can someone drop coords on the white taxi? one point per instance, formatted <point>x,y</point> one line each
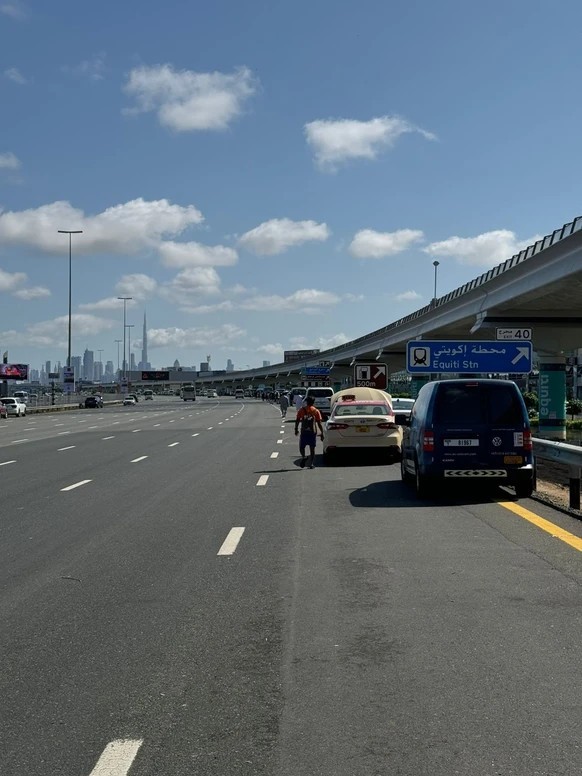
<point>362,425</point>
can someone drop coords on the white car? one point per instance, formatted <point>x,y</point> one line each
<point>14,406</point>
<point>402,409</point>
<point>362,425</point>
<point>212,395</point>
<point>129,400</point>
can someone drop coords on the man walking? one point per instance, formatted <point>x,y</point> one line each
<point>284,404</point>
<point>308,417</point>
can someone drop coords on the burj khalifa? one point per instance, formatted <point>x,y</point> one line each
<point>144,363</point>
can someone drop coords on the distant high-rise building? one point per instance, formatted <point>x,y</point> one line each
<point>47,368</point>
<point>266,363</point>
<point>76,364</point>
<point>204,366</point>
<point>98,371</point>
<point>109,370</point>
<point>176,364</point>
<point>132,364</point>
<point>88,363</point>
<point>229,365</point>
<point>144,363</point>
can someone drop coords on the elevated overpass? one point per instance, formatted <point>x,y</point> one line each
<point>540,287</point>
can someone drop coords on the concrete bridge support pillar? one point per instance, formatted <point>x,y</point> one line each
<point>552,397</point>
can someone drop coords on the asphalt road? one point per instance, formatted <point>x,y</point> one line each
<point>179,598</point>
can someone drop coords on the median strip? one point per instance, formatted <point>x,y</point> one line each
<point>76,485</point>
<point>231,542</point>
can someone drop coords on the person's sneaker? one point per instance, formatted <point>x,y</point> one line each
<point>312,466</point>
<point>302,463</point>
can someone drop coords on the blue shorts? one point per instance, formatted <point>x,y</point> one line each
<point>307,439</point>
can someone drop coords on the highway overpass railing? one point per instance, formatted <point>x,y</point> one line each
<point>563,453</point>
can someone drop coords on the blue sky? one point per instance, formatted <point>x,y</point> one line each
<point>264,175</point>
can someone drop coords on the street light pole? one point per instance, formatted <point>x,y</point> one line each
<point>69,232</point>
<point>129,327</point>
<point>125,301</point>
<point>435,265</point>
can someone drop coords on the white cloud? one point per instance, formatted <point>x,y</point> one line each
<point>13,74</point>
<point>35,292</point>
<point>8,161</point>
<point>406,296</point>
<point>127,228</point>
<point>92,68</point>
<point>306,300</point>
<point>15,9</point>
<point>186,101</point>
<point>10,280</point>
<point>53,333</point>
<point>368,244</point>
<point>194,337</point>
<point>323,343</point>
<point>109,303</point>
<point>138,286</point>
<point>274,349</point>
<point>193,254</point>
<point>353,297</point>
<point>191,283</point>
<point>484,250</point>
<point>204,309</point>
<point>278,234</point>
<point>336,140</point>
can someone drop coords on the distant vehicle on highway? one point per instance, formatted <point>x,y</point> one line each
<point>14,406</point>
<point>239,393</point>
<point>148,395</point>
<point>135,396</point>
<point>22,395</point>
<point>129,400</point>
<point>463,430</point>
<point>212,395</point>
<point>188,392</point>
<point>93,401</point>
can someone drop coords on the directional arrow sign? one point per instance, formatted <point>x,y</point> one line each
<point>371,375</point>
<point>463,356</point>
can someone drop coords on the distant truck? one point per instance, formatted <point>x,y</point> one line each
<point>188,392</point>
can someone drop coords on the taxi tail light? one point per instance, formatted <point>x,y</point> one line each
<point>428,441</point>
<point>387,425</point>
<point>527,441</point>
<point>336,426</point>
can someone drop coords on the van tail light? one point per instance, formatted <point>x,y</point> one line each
<point>387,425</point>
<point>336,426</point>
<point>428,441</point>
<point>527,441</point>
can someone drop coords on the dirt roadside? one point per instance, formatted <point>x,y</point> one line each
<point>553,483</point>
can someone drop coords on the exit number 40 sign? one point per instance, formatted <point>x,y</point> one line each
<point>525,333</point>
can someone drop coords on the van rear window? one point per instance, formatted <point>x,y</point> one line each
<point>462,406</point>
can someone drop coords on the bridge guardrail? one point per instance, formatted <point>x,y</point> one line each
<point>570,455</point>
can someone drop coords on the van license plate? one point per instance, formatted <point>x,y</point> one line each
<point>461,443</point>
<point>512,459</point>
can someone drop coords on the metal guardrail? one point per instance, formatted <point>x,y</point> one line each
<point>570,455</point>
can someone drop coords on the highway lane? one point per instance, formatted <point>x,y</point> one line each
<point>352,629</point>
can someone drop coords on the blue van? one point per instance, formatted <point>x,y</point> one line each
<point>468,429</point>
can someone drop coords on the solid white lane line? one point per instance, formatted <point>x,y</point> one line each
<point>18,441</point>
<point>263,479</point>
<point>274,455</point>
<point>76,485</point>
<point>70,447</point>
<point>5,463</point>
<point>104,438</point>
<point>135,430</point>
<point>174,444</point>
<point>137,460</point>
<point>231,542</point>
<point>196,434</point>
<point>279,441</point>
<point>117,758</point>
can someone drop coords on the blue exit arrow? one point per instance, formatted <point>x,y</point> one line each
<point>462,356</point>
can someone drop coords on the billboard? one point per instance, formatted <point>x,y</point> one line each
<point>157,376</point>
<point>13,371</point>
<point>289,356</point>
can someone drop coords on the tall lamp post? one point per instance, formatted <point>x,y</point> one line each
<point>125,300</point>
<point>129,327</point>
<point>69,232</point>
<point>118,344</point>
<point>435,264</point>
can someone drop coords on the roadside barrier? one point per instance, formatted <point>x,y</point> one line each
<point>563,453</point>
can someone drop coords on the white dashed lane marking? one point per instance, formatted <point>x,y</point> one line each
<point>209,428</point>
<point>231,542</point>
<point>104,438</point>
<point>117,758</point>
<point>197,434</point>
<point>135,430</point>
<point>18,441</point>
<point>263,479</point>
<point>274,455</point>
<point>61,449</point>
<point>173,444</point>
<point>5,463</point>
<point>137,460</point>
<point>76,485</point>
<point>279,441</point>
